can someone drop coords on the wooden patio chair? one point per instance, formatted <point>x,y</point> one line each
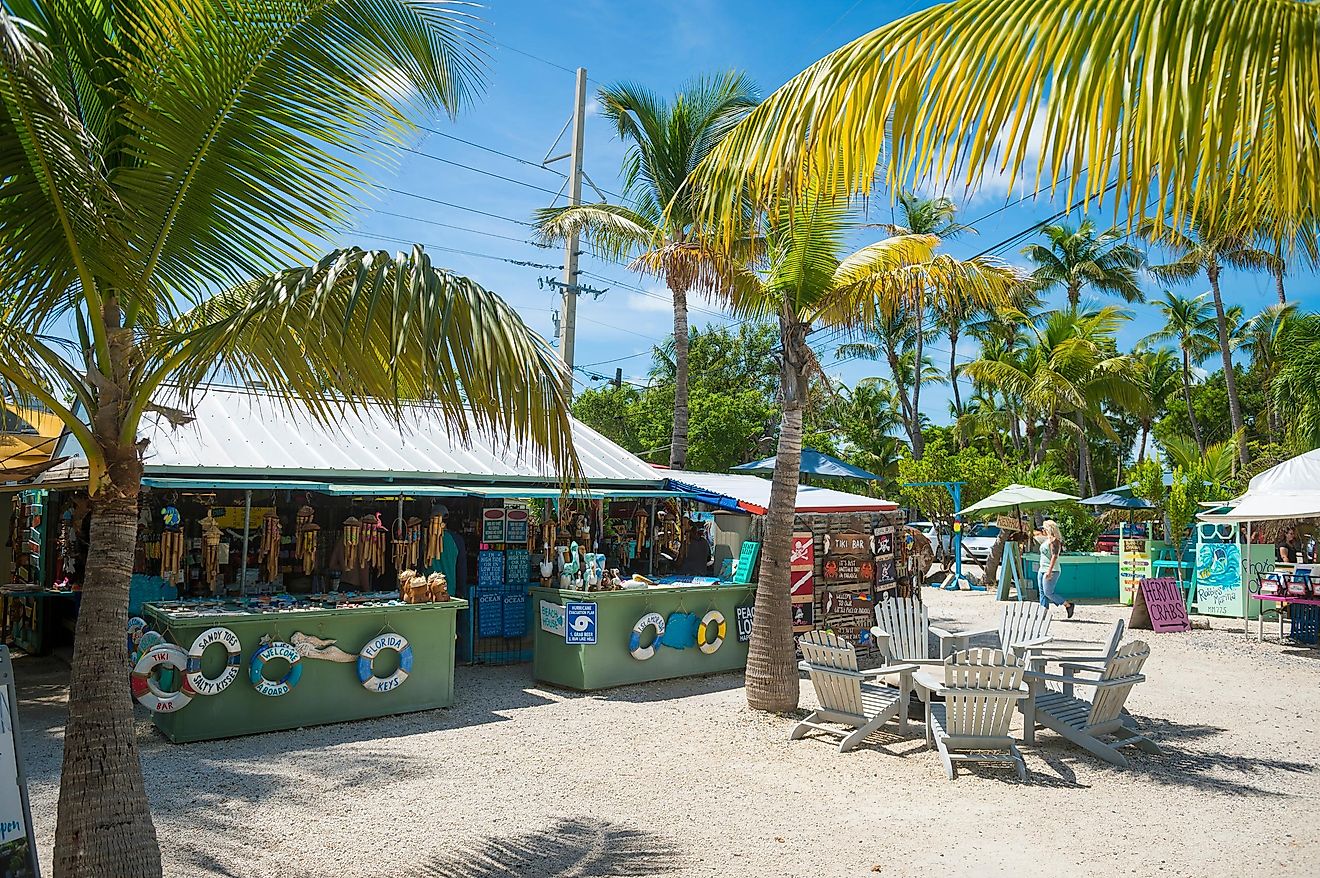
<point>847,696</point>
<point>902,634</point>
<point>1074,656</point>
<point>1021,625</point>
<point>981,688</point>
<point>1086,723</point>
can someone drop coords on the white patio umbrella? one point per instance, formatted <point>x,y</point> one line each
<point>1017,497</point>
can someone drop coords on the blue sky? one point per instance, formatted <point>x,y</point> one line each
<point>528,99</point>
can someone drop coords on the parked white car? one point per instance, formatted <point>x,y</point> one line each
<point>940,540</point>
<point>977,541</point>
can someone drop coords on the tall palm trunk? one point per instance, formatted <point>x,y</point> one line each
<point>1145,434</point>
<point>1187,396</point>
<point>904,403</point>
<point>771,676</point>
<point>1051,427</point>
<point>1278,271</point>
<point>1085,473</point>
<point>678,442</point>
<point>953,367</point>
<point>103,819</point>
<point>1230,378</point>
<point>1074,294</point>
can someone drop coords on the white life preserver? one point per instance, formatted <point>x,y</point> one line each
<point>145,690</point>
<point>716,618</point>
<point>650,620</point>
<point>275,650</point>
<point>197,683</point>
<point>367,658</point>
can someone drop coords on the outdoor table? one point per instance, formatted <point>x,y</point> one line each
<point>1279,599</point>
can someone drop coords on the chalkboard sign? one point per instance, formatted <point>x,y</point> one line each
<point>746,562</point>
<point>517,566</point>
<point>490,567</point>
<point>1158,604</point>
<point>18,850</point>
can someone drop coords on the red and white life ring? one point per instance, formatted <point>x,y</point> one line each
<point>145,689</point>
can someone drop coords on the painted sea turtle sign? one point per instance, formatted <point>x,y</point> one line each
<point>18,850</point>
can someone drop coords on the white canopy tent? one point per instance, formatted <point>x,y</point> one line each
<point>1289,490</point>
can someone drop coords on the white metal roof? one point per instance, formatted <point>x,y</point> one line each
<point>241,432</point>
<point>753,493</point>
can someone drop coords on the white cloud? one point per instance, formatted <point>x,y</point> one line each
<point>997,185</point>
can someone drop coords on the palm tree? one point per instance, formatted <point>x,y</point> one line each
<point>1157,376</point>
<point>1078,257</point>
<point>1188,323</point>
<point>893,337</point>
<point>806,281</point>
<point>969,85</point>
<point>1293,385</point>
<point>1260,338</point>
<point>1071,371</point>
<point>1204,248</point>
<point>657,227</point>
<point>161,174</point>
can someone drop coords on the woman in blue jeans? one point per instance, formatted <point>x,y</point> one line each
<point>1051,552</point>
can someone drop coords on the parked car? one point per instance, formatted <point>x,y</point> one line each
<point>1108,541</point>
<point>940,540</point>
<point>977,541</point>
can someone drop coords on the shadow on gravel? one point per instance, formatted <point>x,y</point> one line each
<point>573,847</point>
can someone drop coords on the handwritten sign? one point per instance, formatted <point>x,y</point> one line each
<point>802,553</point>
<point>846,602</point>
<point>847,544</point>
<point>848,568</point>
<point>1158,604</point>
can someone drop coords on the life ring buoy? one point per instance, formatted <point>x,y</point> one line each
<point>367,658</point>
<point>275,650</point>
<point>146,643</point>
<point>145,690</point>
<point>137,626</point>
<point>650,620</point>
<point>197,683</point>
<point>716,618</point>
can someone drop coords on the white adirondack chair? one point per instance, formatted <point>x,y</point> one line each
<point>1084,722</point>
<point>980,691</point>
<point>1021,624</point>
<point>846,695</point>
<point>1074,656</point>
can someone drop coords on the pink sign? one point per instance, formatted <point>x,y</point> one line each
<point>1164,602</point>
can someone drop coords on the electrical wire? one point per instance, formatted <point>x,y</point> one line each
<point>522,262</point>
<point>430,222</point>
<point>476,170</point>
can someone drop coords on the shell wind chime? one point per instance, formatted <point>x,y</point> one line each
<point>269,556</point>
<point>307,540</point>
<point>210,550</point>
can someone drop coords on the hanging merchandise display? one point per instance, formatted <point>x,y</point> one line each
<point>367,658</point>
<point>197,683</point>
<point>171,546</point>
<point>650,620</point>
<point>144,686</point>
<point>373,543</point>
<point>257,672</point>
<point>435,539</point>
<point>415,535</point>
<point>271,532</point>
<point>307,540</point>
<point>210,551</point>
<point>399,543</point>
<point>711,622</point>
<point>352,543</point>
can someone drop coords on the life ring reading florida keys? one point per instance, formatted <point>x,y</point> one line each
<point>145,689</point>
<point>367,657</point>
<point>712,619</point>
<point>650,620</point>
<point>197,683</point>
<point>275,650</point>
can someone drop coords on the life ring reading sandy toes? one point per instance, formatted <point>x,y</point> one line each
<point>145,689</point>
<point>650,620</point>
<point>197,683</point>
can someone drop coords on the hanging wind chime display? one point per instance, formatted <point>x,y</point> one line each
<point>399,543</point>
<point>271,531</point>
<point>416,534</point>
<point>435,539</point>
<point>171,545</point>
<point>373,543</point>
<point>210,551</point>
<point>352,543</point>
<point>307,540</point>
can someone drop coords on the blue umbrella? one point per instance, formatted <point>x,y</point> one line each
<point>815,464</point>
<point>1116,500</point>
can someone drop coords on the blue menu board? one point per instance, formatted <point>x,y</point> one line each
<point>490,567</point>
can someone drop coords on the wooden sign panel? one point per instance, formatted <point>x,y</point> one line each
<point>492,526</point>
<point>847,602</point>
<point>884,543</point>
<point>804,616</point>
<point>847,544</point>
<point>743,622</point>
<point>742,573</point>
<point>801,582</point>
<point>802,553</point>
<point>1158,604</point>
<point>848,568</point>
<point>515,525</point>
<point>886,572</point>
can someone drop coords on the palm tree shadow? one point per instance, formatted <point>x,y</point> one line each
<point>571,847</point>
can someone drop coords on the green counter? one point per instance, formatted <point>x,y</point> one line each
<point>327,691</point>
<point>1083,576</point>
<point>609,661</point>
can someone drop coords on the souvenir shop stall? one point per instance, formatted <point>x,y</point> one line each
<point>1239,573</point>
<point>848,552</point>
<point>290,574</point>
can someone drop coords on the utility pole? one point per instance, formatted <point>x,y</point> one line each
<point>571,246</point>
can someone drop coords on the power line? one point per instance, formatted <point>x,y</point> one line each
<point>459,206</point>
<point>482,171</point>
<point>494,151</point>
<point>431,222</point>
<point>521,262</point>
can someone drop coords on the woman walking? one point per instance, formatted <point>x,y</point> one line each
<point>1051,553</point>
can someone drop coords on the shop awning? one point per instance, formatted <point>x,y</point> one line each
<point>1288,490</point>
<point>202,484</point>
<point>517,493</point>
<point>752,494</point>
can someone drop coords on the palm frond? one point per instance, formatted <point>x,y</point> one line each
<point>618,232</point>
<point>361,326</point>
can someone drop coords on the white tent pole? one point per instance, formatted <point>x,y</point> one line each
<point>1246,590</point>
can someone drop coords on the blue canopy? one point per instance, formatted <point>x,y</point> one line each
<point>1116,500</point>
<point>815,464</point>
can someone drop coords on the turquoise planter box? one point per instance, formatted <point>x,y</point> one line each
<point>1083,576</point>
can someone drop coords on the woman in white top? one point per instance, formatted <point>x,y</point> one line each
<point>1051,552</point>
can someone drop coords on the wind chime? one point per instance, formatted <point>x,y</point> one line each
<point>352,543</point>
<point>373,543</point>
<point>307,540</point>
<point>171,545</point>
<point>269,556</point>
<point>415,535</point>
<point>399,543</point>
<point>210,551</point>
<point>435,539</point>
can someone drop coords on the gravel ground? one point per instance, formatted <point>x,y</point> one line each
<point>681,779</point>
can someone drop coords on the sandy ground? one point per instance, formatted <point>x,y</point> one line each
<point>681,779</point>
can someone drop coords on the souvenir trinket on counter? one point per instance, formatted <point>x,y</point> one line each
<point>438,587</point>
